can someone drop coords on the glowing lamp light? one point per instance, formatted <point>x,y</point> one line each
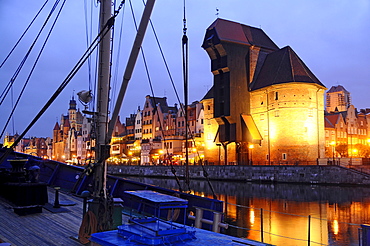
<point>335,227</point>
<point>251,146</point>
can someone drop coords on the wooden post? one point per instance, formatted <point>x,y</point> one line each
<point>261,224</point>
<point>309,230</point>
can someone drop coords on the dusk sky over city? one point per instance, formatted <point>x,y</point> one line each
<point>330,36</point>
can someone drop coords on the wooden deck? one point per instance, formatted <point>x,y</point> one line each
<point>44,228</point>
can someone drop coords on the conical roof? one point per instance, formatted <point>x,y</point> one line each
<point>283,66</point>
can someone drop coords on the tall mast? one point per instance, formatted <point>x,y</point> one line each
<point>101,149</point>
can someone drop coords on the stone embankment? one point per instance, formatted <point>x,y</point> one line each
<point>316,174</point>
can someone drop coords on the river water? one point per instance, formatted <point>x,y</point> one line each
<point>336,213</point>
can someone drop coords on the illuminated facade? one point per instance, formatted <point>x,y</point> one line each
<point>67,136</point>
<point>268,105</point>
<point>41,147</point>
<point>347,134</point>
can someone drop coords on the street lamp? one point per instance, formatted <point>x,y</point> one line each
<point>251,147</point>
<point>333,144</point>
<point>219,153</point>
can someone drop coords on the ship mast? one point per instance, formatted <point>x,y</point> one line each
<point>101,118</point>
<point>102,203</point>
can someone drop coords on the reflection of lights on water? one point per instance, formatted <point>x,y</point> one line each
<point>335,227</point>
<point>251,216</point>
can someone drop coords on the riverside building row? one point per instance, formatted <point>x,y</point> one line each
<point>265,107</point>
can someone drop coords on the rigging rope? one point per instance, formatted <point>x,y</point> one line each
<point>173,170</point>
<point>116,70</point>
<point>15,75</point>
<point>35,63</point>
<point>205,174</point>
<point>185,62</point>
<point>88,37</point>
<point>69,77</point>
<point>24,33</point>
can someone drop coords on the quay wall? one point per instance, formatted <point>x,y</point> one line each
<point>315,174</point>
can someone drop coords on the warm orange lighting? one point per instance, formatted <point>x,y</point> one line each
<point>161,152</point>
<point>194,150</point>
<point>130,153</point>
<point>335,227</point>
<point>332,143</point>
<point>251,146</point>
<point>63,156</point>
<point>251,216</point>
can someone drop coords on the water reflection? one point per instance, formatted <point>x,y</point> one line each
<point>336,212</point>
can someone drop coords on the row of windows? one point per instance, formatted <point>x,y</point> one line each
<point>277,114</point>
<point>146,131</point>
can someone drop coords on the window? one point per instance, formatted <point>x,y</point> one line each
<point>276,113</point>
<point>267,157</point>
<point>284,156</point>
<point>202,121</point>
<point>310,112</point>
<point>276,95</point>
<point>209,107</point>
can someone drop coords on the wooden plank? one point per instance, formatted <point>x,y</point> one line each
<point>44,228</point>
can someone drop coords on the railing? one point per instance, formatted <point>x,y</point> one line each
<point>264,230</point>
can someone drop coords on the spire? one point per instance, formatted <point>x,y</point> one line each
<point>72,103</point>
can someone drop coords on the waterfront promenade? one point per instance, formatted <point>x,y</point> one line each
<point>309,174</point>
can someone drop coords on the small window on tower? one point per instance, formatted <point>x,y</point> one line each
<point>284,156</point>
<point>276,95</point>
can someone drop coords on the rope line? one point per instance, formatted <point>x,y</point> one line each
<point>273,234</point>
<point>34,65</point>
<point>20,66</point>
<point>24,33</point>
<point>62,86</point>
<point>173,170</point>
<point>243,206</point>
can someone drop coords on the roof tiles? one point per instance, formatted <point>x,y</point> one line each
<point>283,66</point>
